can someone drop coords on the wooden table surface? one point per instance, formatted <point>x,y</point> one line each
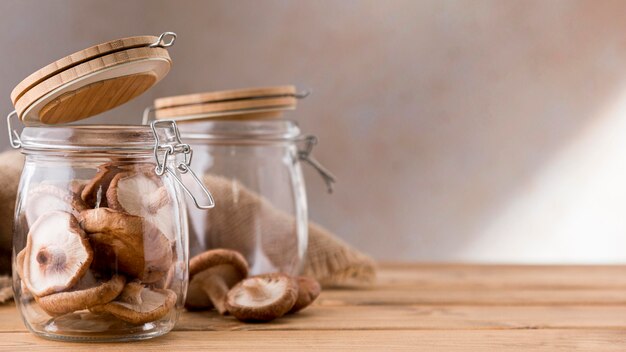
<point>412,307</point>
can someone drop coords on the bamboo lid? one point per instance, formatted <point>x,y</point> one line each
<point>243,104</point>
<point>93,80</point>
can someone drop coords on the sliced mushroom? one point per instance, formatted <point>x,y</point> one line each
<point>88,292</point>
<point>308,291</point>
<point>127,243</point>
<point>141,193</point>
<point>58,254</point>
<point>47,197</point>
<point>262,298</point>
<point>139,305</point>
<point>211,275</point>
<point>94,192</point>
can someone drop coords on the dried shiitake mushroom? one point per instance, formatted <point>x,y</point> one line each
<point>57,255</point>
<point>308,291</point>
<point>87,293</point>
<point>46,197</point>
<point>141,193</point>
<point>94,192</point>
<point>138,304</point>
<point>127,243</point>
<point>263,297</point>
<point>19,270</point>
<point>211,275</point>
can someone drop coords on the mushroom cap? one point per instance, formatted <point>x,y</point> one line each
<point>308,290</point>
<point>46,197</point>
<point>58,254</point>
<point>88,292</point>
<point>127,243</point>
<point>19,270</point>
<point>139,305</point>
<point>227,266</point>
<point>76,186</point>
<point>94,192</point>
<point>142,193</point>
<point>263,297</point>
<point>217,257</point>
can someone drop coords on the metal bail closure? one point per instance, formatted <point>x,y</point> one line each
<point>145,117</point>
<point>305,155</point>
<point>183,166</point>
<point>162,41</point>
<point>14,137</point>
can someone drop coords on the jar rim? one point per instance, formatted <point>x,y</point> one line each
<point>252,130</point>
<point>93,138</point>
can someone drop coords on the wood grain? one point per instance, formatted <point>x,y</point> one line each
<point>412,307</point>
<point>224,95</point>
<point>503,276</point>
<point>225,107</point>
<point>399,318</point>
<point>407,295</point>
<point>398,340</point>
<point>32,101</point>
<point>421,318</point>
<point>78,58</point>
<point>95,98</point>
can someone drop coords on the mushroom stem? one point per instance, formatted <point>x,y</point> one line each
<point>216,288</point>
<point>132,293</point>
<point>256,292</point>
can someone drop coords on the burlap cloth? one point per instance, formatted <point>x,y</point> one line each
<point>329,259</point>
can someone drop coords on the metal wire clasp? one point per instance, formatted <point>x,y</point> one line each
<point>162,42</point>
<point>145,117</point>
<point>14,137</point>
<point>183,167</point>
<point>305,155</point>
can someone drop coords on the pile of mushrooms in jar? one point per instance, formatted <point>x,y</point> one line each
<point>104,245</point>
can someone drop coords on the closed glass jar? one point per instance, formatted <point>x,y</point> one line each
<point>252,167</point>
<point>100,239</point>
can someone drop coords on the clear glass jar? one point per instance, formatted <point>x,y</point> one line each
<point>100,246</point>
<point>252,168</point>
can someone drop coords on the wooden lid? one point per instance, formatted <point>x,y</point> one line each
<point>250,103</point>
<point>92,81</point>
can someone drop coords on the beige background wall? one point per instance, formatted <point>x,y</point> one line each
<point>459,130</point>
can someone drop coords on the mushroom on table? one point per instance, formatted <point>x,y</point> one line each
<point>263,297</point>
<point>308,291</point>
<point>211,275</point>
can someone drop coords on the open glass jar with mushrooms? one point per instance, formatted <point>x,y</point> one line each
<point>251,159</point>
<point>100,236</point>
